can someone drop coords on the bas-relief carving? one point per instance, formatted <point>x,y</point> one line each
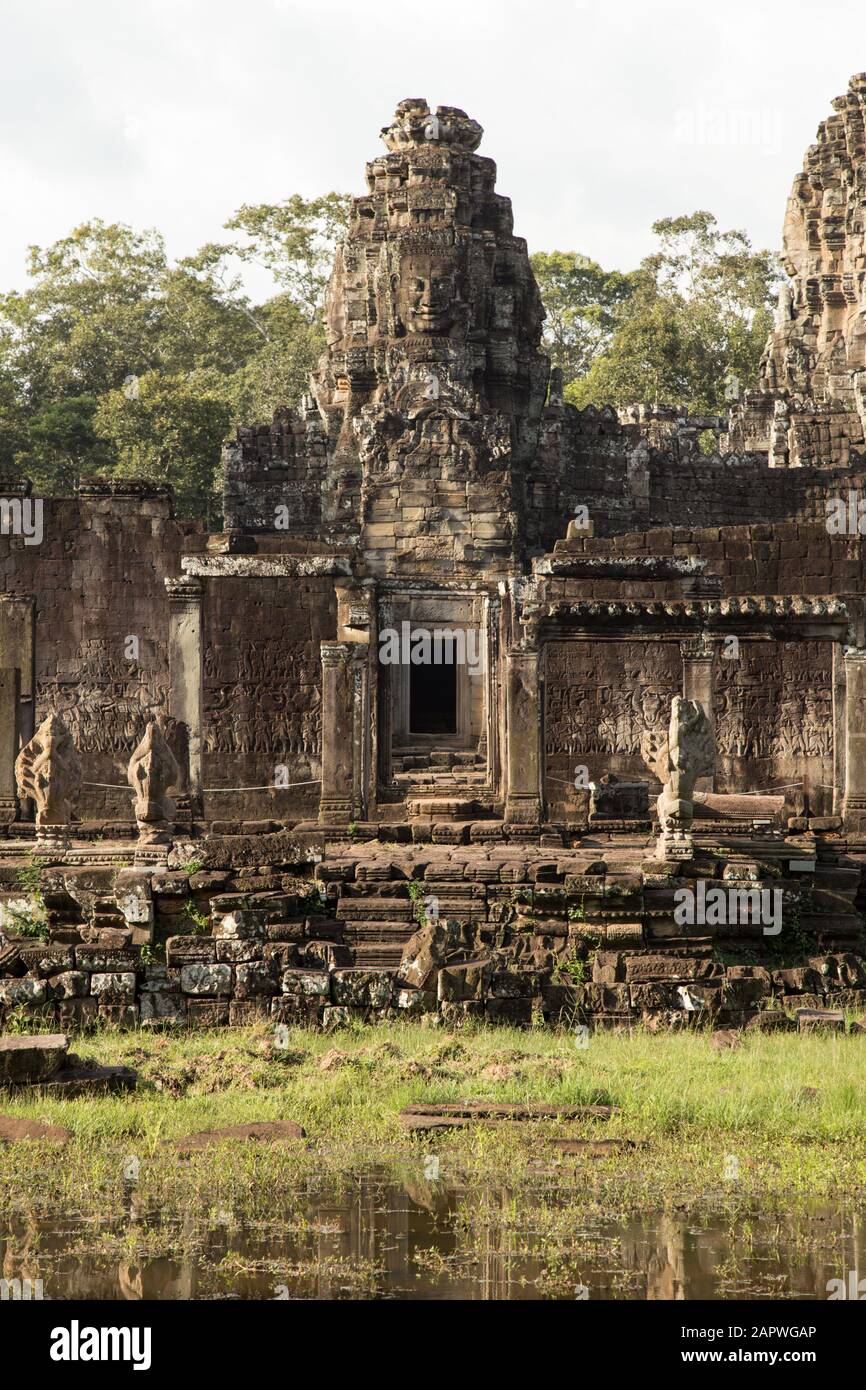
<point>105,701</point>
<point>603,698</point>
<point>775,702</point>
<point>263,698</point>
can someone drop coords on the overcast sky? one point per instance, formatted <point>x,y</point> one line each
<point>602,115</point>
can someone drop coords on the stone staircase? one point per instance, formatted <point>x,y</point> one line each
<point>378,918</point>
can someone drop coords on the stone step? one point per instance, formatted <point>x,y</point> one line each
<point>443,808</point>
<point>375,909</point>
<point>389,932</point>
<point>369,956</point>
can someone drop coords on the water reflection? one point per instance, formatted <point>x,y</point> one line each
<point>425,1240</point>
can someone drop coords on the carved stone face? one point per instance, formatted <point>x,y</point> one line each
<point>426,294</point>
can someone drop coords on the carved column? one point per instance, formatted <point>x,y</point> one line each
<point>698,656</point>
<point>523,802</point>
<point>185,701</point>
<point>10,695</point>
<point>338,725</point>
<point>855,738</point>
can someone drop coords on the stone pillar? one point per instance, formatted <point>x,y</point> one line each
<point>854,808</point>
<point>10,695</point>
<point>698,656</point>
<point>523,802</point>
<point>338,700</point>
<point>185,701</point>
<point>18,649</point>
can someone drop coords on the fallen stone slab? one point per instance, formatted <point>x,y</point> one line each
<point>80,1080</point>
<point>511,1110</point>
<point>489,1114</point>
<point>810,1020</point>
<point>13,1130</point>
<point>28,1058</point>
<point>259,1132</point>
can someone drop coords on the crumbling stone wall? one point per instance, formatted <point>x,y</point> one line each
<point>97,576</point>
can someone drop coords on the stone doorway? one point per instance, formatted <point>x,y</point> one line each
<point>434,701</point>
<point>433,696</point>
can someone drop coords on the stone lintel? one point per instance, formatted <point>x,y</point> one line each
<point>266,566</point>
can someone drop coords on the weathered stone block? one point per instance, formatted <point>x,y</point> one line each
<point>25,1059</point>
<point>74,1015</point>
<point>70,984</point>
<point>189,950</point>
<point>118,987</point>
<point>158,1008</point>
<point>45,960</point>
<point>245,1011</point>
<point>255,978</point>
<point>238,952</point>
<point>311,983</point>
<point>242,925</point>
<point>461,982</point>
<point>25,993</point>
<point>206,979</point>
<point>364,988</point>
<point>119,1015</point>
<point>207,1013</point>
<point>106,958</point>
<point>516,1012</point>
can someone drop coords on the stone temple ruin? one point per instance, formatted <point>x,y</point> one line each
<point>478,699</point>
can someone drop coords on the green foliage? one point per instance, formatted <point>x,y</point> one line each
<point>199,921</point>
<point>693,328</point>
<point>416,893</point>
<point>168,428</point>
<point>573,969</point>
<point>295,241</point>
<point>115,361</point>
<point>580,301</point>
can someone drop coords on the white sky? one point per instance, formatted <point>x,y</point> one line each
<point>602,115</point>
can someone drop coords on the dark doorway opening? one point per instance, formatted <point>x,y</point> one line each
<point>433,695</point>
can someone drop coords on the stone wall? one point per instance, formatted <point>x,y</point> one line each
<point>98,579</point>
<point>262,695</point>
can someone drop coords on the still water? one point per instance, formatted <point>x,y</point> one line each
<point>377,1238</point>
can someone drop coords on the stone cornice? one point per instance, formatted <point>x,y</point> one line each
<point>266,566</point>
<point>740,606</point>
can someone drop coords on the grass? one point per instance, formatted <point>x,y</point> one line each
<point>776,1125</point>
<point>791,1107</point>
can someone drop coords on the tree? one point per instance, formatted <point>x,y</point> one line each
<point>62,444</point>
<point>168,428</point>
<point>295,240</point>
<point>111,340</point>
<point>693,329</point>
<point>580,300</point>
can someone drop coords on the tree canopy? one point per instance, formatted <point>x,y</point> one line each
<point>116,360</point>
